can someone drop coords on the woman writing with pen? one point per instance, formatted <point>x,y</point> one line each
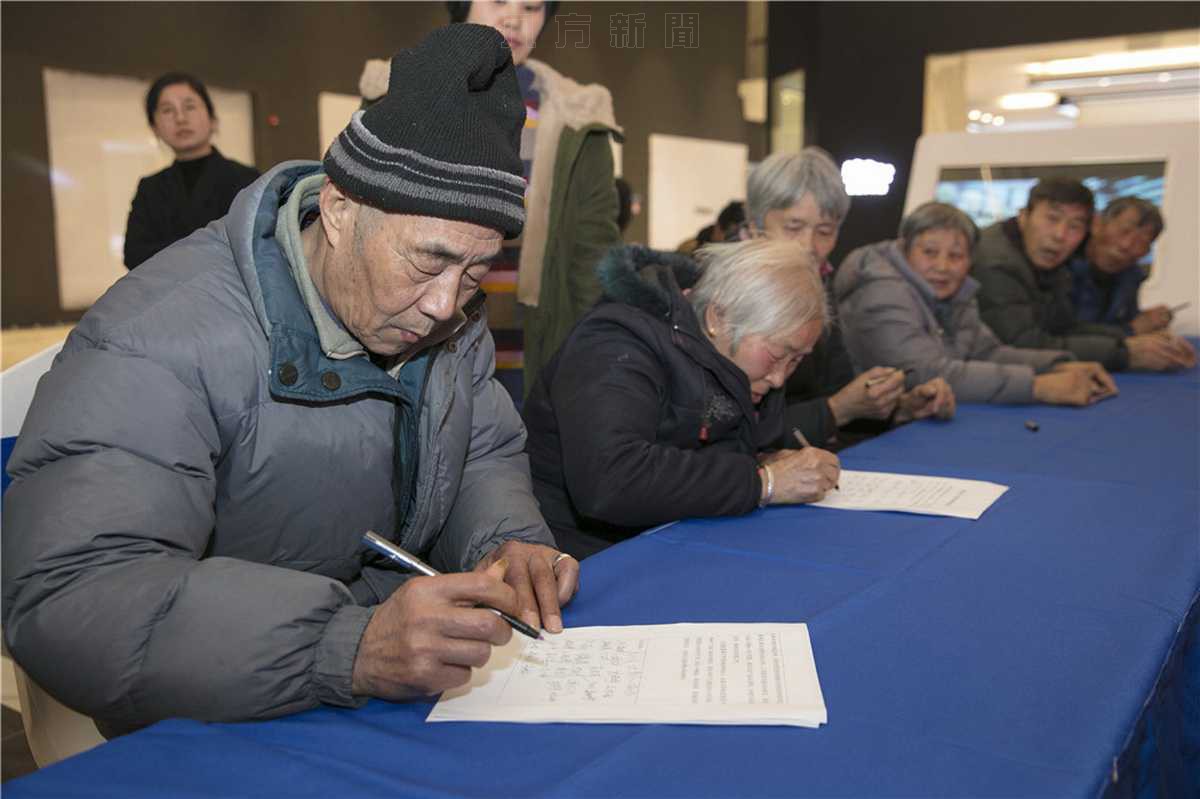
<point>665,401</point>
<point>910,302</point>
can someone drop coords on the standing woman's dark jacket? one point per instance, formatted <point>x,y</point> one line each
<point>637,420</point>
<point>165,210</point>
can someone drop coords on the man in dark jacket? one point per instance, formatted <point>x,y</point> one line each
<point>1105,283</point>
<point>196,473</point>
<point>1025,285</point>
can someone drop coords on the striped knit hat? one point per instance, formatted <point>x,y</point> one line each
<point>445,140</point>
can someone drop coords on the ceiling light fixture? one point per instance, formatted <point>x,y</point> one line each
<point>1027,101</point>
<point>866,176</point>
<point>1117,62</point>
<point>1186,77</point>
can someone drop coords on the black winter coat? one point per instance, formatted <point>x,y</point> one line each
<point>823,372</point>
<point>163,211</point>
<point>637,420</point>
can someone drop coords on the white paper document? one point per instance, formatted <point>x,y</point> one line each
<point>912,493</point>
<point>648,674</point>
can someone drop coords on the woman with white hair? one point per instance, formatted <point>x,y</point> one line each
<point>663,402</point>
<point>910,302</point>
<point>800,197</point>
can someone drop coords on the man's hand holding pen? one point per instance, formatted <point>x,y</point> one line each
<point>428,635</point>
<point>543,578</point>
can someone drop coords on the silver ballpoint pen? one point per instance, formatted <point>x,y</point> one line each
<point>413,563</point>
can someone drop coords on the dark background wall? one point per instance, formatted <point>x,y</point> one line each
<point>864,67</point>
<point>284,54</point>
<point>865,71</point>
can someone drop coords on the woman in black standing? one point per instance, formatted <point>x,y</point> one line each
<point>194,190</point>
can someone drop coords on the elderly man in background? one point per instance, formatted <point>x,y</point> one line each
<point>197,470</point>
<point>1105,282</point>
<point>800,198</point>
<point>1025,284</point>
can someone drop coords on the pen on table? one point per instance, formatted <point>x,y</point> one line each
<point>412,562</point>
<point>804,443</point>
<point>874,381</point>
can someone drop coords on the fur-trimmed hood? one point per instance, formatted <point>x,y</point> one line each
<point>579,104</point>
<point>650,280</point>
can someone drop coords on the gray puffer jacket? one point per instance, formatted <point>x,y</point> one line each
<point>890,315</point>
<point>194,477</point>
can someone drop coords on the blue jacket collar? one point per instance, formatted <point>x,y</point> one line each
<point>299,368</point>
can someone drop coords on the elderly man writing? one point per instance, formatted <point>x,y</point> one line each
<point>198,468</point>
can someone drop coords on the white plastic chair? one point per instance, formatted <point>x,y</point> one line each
<point>52,729</point>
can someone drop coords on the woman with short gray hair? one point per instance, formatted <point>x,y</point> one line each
<point>937,216</point>
<point>799,197</point>
<point>782,180</point>
<point>910,302</point>
<point>662,402</point>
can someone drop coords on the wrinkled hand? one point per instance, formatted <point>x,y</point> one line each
<point>1152,320</point>
<point>932,398</point>
<point>1160,352</point>
<point>857,400</point>
<point>802,475</point>
<point>1065,387</point>
<point>1103,385</point>
<point>428,635</point>
<point>1182,348</point>
<point>541,585</point>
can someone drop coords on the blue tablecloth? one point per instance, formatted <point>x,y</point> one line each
<point>1048,649</point>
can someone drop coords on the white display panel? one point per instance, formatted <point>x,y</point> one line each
<point>1176,274</point>
<point>100,146</point>
<point>691,180</point>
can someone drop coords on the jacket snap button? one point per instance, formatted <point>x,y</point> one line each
<point>331,381</point>
<point>475,316</point>
<point>289,374</point>
<point>452,346</point>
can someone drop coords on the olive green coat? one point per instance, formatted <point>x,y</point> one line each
<point>572,213</point>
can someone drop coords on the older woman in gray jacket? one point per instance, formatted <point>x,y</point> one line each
<point>910,303</point>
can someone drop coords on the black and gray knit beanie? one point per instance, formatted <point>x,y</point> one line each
<point>445,140</point>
